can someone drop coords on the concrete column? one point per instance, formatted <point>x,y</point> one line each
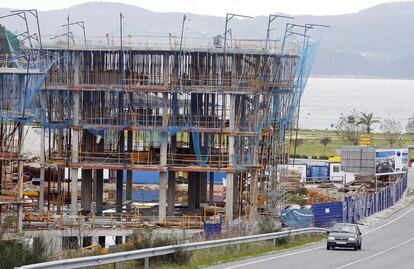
<point>20,196</point>
<point>193,191</point>
<point>74,191</point>
<point>119,190</point>
<point>253,196</point>
<point>236,192</point>
<point>99,182</point>
<point>19,225</point>
<point>60,177</point>
<point>211,188</point>
<point>128,195</point>
<point>75,135</point>
<point>86,190</point>
<point>171,194</point>
<point>173,139</point>
<point>229,196</point>
<point>99,192</point>
<point>162,213</point>
<point>163,196</point>
<point>101,241</point>
<point>203,187</point>
<point>129,172</point>
<point>119,185</point>
<point>87,179</point>
<point>42,157</point>
<point>230,176</point>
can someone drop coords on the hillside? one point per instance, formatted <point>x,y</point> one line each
<point>375,42</point>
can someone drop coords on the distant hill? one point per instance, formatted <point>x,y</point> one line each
<point>376,42</point>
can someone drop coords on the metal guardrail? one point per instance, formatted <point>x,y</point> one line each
<point>122,257</point>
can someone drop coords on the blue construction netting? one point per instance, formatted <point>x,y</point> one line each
<point>358,208</point>
<point>36,68</point>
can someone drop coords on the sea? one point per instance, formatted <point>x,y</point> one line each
<point>324,99</point>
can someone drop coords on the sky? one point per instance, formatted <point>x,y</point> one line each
<point>220,7</point>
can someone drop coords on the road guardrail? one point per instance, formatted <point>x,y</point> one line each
<point>121,257</point>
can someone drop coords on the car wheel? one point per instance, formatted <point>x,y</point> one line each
<point>328,247</point>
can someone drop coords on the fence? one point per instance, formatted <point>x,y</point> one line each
<point>325,214</point>
<point>122,257</point>
<point>356,208</point>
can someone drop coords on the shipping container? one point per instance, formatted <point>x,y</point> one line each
<point>319,173</point>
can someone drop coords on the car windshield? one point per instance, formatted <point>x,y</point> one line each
<point>343,229</point>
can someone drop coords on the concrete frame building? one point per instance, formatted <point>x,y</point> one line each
<point>198,108</point>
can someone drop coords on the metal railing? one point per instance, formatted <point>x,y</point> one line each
<point>122,257</point>
<point>165,42</point>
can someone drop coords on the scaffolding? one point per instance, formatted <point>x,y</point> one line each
<point>196,106</point>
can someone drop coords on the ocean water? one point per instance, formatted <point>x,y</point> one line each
<point>144,195</point>
<point>147,177</point>
<point>325,99</point>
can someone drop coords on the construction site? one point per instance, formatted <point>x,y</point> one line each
<point>184,108</point>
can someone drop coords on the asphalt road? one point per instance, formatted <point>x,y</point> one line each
<point>389,243</point>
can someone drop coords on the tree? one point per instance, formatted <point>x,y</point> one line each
<point>348,127</point>
<point>410,127</point>
<point>325,141</point>
<point>391,129</point>
<point>367,120</point>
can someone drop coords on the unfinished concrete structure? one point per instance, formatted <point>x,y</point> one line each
<point>197,108</point>
<point>20,78</point>
<point>163,110</point>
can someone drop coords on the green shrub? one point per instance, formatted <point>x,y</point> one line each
<point>298,199</point>
<point>144,239</point>
<point>17,252</point>
<point>267,225</point>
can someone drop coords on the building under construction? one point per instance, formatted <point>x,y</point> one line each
<point>190,107</point>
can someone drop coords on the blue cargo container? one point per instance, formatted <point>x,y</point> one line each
<point>319,173</point>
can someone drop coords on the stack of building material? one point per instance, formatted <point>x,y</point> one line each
<point>292,180</point>
<point>364,183</point>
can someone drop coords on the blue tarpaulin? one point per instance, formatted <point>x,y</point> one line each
<point>297,218</point>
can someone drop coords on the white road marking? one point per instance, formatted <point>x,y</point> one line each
<point>377,254</point>
<point>274,258</point>
<point>312,249</point>
<point>388,223</point>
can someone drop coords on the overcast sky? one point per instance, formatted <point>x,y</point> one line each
<point>220,7</point>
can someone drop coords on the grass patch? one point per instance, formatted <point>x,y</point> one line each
<point>311,145</point>
<point>204,258</point>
